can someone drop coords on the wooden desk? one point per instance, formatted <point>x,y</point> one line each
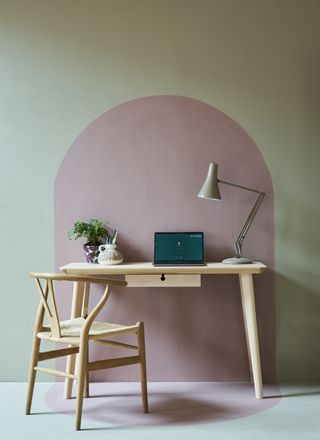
<point>147,275</point>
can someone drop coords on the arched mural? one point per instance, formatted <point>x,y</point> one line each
<point>140,166</point>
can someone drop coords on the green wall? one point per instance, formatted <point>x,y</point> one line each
<point>64,62</point>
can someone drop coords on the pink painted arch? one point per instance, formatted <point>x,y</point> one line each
<point>140,166</point>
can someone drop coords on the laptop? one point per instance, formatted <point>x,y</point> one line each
<point>178,249</point>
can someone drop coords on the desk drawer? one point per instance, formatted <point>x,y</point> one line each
<point>164,280</point>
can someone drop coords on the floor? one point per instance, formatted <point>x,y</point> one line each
<point>197,411</point>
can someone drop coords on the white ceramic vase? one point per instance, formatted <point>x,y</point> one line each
<point>109,254</point>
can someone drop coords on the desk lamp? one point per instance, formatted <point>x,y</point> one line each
<point>210,190</point>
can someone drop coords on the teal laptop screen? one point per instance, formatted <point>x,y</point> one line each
<point>178,248</point>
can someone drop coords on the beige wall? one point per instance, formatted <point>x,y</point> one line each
<point>65,62</point>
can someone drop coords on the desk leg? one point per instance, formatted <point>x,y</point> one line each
<point>247,339</point>
<point>77,299</point>
<point>250,322</point>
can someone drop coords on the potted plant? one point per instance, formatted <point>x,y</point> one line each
<point>95,232</point>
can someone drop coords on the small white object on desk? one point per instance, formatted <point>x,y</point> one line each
<point>109,254</point>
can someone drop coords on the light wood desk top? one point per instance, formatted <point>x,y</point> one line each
<point>148,268</point>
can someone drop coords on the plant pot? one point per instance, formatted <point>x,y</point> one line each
<point>91,253</point>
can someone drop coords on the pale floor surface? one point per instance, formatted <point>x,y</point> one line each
<point>295,416</point>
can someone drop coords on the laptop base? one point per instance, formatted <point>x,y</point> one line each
<point>178,264</point>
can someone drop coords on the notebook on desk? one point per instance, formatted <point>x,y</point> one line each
<point>178,249</point>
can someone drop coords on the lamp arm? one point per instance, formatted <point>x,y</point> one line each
<point>251,216</point>
<point>244,230</point>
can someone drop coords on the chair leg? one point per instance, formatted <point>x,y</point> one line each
<point>86,387</point>
<point>70,368</point>
<point>32,372</point>
<point>81,376</point>
<point>86,381</point>
<point>143,369</point>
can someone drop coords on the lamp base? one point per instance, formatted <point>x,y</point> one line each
<point>237,260</point>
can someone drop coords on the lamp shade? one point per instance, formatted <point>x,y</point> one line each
<point>210,188</point>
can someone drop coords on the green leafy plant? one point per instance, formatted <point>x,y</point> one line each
<point>94,231</point>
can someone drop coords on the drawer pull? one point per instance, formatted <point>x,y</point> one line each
<point>162,278</point>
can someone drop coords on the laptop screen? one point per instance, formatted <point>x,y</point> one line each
<point>178,248</point>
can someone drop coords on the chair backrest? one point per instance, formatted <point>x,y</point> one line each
<point>45,286</point>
